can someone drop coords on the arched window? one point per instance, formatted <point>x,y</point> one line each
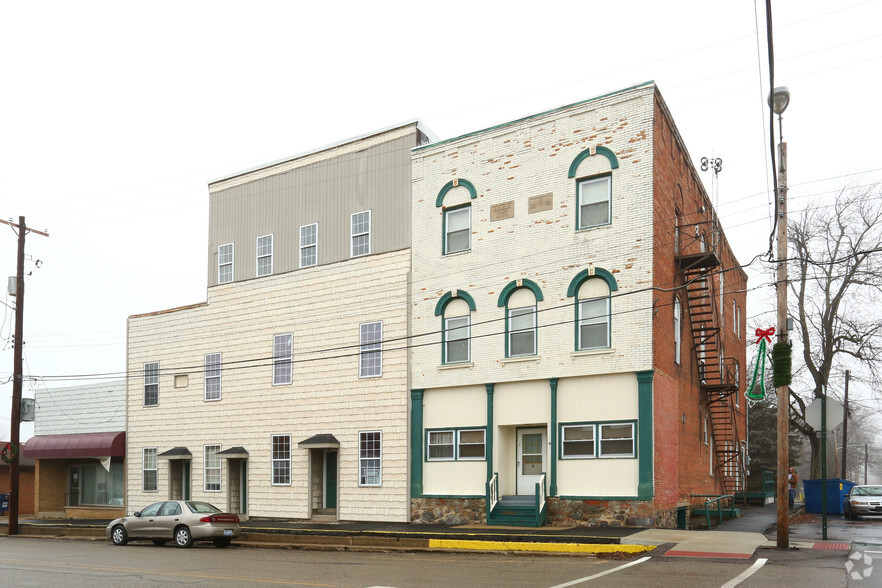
<point>592,291</point>
<point>455,309</point>
<point>519,299</point>
<point>678,328</point>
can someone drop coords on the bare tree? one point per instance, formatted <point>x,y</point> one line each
<point>836,284</point>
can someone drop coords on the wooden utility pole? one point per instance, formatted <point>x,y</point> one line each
<point>783,392</point>
<point>843,470</point>
<point>17,376</point>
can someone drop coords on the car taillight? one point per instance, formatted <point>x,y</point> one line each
<point>220,518</point>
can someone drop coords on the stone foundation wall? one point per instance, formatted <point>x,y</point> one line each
<point>448,511</point>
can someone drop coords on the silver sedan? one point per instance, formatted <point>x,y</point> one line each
<point>862,500</point>
<point>183,521</point>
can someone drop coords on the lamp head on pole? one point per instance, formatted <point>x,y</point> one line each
<point>779,99</point>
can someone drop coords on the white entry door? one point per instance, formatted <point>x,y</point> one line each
<point>531,459</point>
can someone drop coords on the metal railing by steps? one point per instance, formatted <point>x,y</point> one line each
<point>516,511</point>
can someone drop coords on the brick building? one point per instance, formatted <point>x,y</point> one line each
<point>588,319</point>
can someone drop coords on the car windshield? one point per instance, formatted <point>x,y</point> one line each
<point>868,491</point>
<point>201,507</point>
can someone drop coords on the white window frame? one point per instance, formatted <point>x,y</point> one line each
<point>460,443</point>
<point>151,382</point>
<point>468,338</point>
<point>150,458</point>
<point>281,460</point>
<point>594,320</point>
<point>370,458</point>
<point>210,458</point>
<point>600,440</point>
<point>722,302</point>
<point>563,441</point>
<point>309,249</point>
<point>265,252</point>
<point>221,264</point>
<point>678,330</point>
<point>213,366</point>
<point>370,354</point>
<point>467,209</point>
<point>579,204</point>
<point>280,360</point>
<point>355,234</point>
<point>511,331</point>
<point>432,442</point>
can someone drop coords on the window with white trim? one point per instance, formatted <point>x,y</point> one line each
<point>678,328</point>
<point>149,470</point>
<point>309,245</point>
<point>212,468</point>
<point>281,460</point>
<point>722,302</point>
<point>594,323</point>
<point>458,229</point>
<point>456,339</point>
<point>471,444</point>
<point>265,255</point>
<point>212,376</point>
<point>225,263</point>
<point>440,445</point>
<point>283,355</point>
<point>616,440</point>
<point>594,202</point>
<point>521,331</point>
<point>151,383</point>
<point>370,458</point>
<point>361,233</point>
<point>370,356</point>
<point>577,441</point>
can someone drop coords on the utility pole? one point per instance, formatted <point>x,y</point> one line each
<point>843,469</point>
<point>17,375</point>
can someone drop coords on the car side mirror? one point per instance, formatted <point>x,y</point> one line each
<point>138,513</point>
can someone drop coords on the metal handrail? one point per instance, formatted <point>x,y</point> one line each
<point>711,498</point>
<point>540,494</point>
<point>492,493</point>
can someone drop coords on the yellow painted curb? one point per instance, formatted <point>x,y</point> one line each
<point>547,547</point>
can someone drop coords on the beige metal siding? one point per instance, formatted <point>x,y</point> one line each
<point>327,192</point>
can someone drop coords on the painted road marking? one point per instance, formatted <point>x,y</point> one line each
<point>746,573</point>
<point>545,547</point>
<point>607,572</point>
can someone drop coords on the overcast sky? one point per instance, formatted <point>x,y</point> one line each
<point>114,116</point>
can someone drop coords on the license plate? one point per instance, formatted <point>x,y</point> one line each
<point>228,531</point>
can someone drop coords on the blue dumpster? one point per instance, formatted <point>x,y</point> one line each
<point>836,491</point>
<point>4,504</point>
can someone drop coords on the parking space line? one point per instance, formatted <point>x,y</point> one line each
<point>607,572</point>
<point>746,573</point>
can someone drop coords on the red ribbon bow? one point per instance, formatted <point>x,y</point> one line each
<point>765,334</point>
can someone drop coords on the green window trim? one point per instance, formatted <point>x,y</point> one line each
<point>580,223</point>
<point>456,444</point>
<point>599,150</point>
<point>445,236</point>
<point>598,439</point>
<point>513,285</point>
<point>584,275</point>
<point>439,201</point>
<point>450,297</point>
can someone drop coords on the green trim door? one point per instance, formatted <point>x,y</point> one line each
<point>330,478</point>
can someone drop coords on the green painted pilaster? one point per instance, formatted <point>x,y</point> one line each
<point>552,491</point>
<point>416,443</point>
<point>489,439</point>
<point>645,453</point>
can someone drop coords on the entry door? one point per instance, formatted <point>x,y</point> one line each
<point>73,487</point>
<point>243,487</point>
<point>330,479</point>
<point>531,459</point>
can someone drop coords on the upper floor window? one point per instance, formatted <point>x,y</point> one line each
<point>151,383</point>
<point>283,355</point>
<point>519,299</point>
<point>594,202</point>
<point>225,263</point>
<point>213,376</point>
<point>457,229</point>
<point>593,315</point>
<point>370,337</point>
<point>361,233</point>
<point>212,468</point>
<point>308,245</point>
<point>678,328</point>
<point>281,460</point>
<point>265,255</point>
<point>454,308</point>
<point>676,232</point>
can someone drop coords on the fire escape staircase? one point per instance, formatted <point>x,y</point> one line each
<point>718,375</point>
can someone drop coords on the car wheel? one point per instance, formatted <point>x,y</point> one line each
<point>160,542</point>
<point>183,537</point>
<point>221,543</point>
<point>119,536</point>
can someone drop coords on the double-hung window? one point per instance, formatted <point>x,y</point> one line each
<point>617,440</point>
<point>594,202</point>
<point>212,468</point>
<point>577,441</point>
<point>471,443</point>
<point>281,460</point>
<point>457,229</point>
<point>151,383</point>
<point>678,328</point>
<point>456,444</point>
<point>149,470</point>
<point>225,263</point>
<point>370,458</point>
<point>522,331</point>
<point>361,233</point>
<point>212,376</point>
<point>309,245</point>
<point>456,339</point>
<point>283,355</point>
<point>370,364</point>
<point>589,440</point>
<point>594,323</point>
<point>265,255</point>
<point>440,445</point>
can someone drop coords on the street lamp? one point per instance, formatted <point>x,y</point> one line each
<point>779,99</point>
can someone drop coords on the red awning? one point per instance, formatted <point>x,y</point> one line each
<point>79,445</point>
